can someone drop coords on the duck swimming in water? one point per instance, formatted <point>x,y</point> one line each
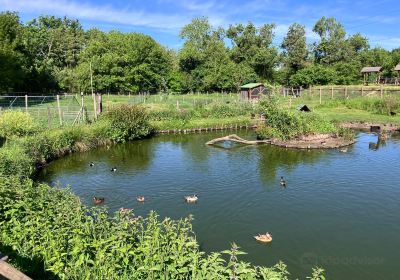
<point>114,169</point>
<point>140,198</point>
<point>264,238</point>
<point>91,164</point>
<point>191,198</point>
<point>282,182</point>
<point>98,200</point>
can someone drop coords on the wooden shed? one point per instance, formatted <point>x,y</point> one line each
<point>397,68</point>
<point>252,91</point>
<point>367,71</point>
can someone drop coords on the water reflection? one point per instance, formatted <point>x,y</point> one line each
<point>331,201</point>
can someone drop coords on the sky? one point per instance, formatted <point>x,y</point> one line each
<point>378,20</point>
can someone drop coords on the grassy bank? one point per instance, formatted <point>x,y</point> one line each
<point>51,235</point>
<point>358,109</point>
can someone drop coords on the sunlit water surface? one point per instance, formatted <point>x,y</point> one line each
<point>339,210</point>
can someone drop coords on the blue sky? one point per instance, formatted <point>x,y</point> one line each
<point>379,20</point>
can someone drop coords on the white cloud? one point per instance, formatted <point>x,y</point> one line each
<point>105,13</point>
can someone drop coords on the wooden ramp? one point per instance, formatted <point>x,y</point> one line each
<point>7,271</point>
<point>237,139</point>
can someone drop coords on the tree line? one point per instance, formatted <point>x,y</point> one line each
<point>50,54</point>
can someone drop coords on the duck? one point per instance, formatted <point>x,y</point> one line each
<point>98,200</point>
<point>264,238</point>
<point>140,198</point>
<point>123,210</point>
<point>282,182</point>
<point>114,169</point>
<point>191,198</point>
<point>91,164</point>
<point>344,150</point>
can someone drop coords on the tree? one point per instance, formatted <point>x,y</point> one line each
<point>253,46</point>
<point>123,62</point>
<point>332,45</point>
<point>295,48</point>
<point>12,68</point>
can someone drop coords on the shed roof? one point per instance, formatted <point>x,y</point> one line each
<point>252,85</point>
<point>371,69</point>
<point>397,68</point>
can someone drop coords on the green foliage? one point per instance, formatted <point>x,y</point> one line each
<point>128,122</point>
<point>295,47</point>
<point>286,125</point>
<point>14,161</point>
<point>16,124</point>
<point>383,106</point>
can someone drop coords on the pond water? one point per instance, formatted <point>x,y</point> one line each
<point>339,210</point>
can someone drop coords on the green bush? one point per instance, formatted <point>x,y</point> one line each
<point>286,125</point>
<point>16,124</point>
<point>128,122</point>
<point>14,161</point>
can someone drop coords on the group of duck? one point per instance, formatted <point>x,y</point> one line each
<point>263,238</point>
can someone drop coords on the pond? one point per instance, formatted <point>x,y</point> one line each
<point>339,210</point>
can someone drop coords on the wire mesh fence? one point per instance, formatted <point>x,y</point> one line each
<point>52,110</point>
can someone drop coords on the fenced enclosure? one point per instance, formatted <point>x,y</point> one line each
<point>339,92</point>
<point>53,110</point>
<point>68,109</point>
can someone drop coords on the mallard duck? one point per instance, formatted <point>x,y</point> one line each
<point>264,238</point>
<point>91,163</point>
<point>123,210</point>
<point>140,198</point>
<point>98,200</point>
<point>191,198</point>
<point>282,182</point>
<point>114,169</point>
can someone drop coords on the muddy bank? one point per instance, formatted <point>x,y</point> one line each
<point>320,141</point>
<point>371,126</point>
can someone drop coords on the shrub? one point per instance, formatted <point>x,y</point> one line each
<point>287,125</point>
<point>128,122</point>
<point>16,124</point>
<point>14,161</point>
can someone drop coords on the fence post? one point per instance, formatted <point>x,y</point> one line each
<point>177,105</point>
<point>331,92</point>
<point>345,92</point>
<point>320,95</point>
<point>59,110</point>
<point>94,106</point>
<point>100,104</point>
<point>362,91</point>
<point>49,116</point>
<point>26,103</point>
<point>381,91</point>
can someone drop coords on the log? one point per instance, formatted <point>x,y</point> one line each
<point>9,272</point>
<point>235,138</point>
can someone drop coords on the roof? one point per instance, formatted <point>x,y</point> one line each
<point>252,85</point>
<point>397,68</point>
<point>371,69</point>
<point>303,107</point>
